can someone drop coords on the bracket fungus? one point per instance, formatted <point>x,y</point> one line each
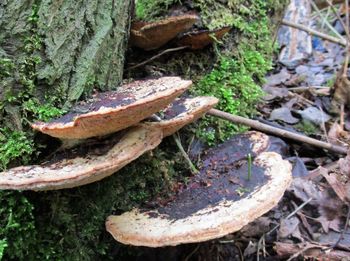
<point>92,162</point>
<point>149,36</point>
<point>115,110</point>
<point>200,39</point>
<point>181,112</point>
<point>221,199</point>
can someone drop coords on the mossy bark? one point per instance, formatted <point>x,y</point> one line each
<point>80,44</point>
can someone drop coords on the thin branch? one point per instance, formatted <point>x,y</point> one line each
<point>307,88</point>
<point>314,32</point>
<point>278,132</point>
<point>339,18</point>
<point>156,56</point>
<point>324,20</point>
<point>307,247</point>
<point>179,145</point>
<point>184,154</point>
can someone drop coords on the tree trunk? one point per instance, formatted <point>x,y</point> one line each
<point>62,45</point>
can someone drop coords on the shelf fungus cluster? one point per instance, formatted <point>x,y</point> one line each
<point>238,181</point>
<point>113,131</point>
<point>153,35</point>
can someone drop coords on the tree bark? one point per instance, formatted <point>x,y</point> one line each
<point>80,44</point>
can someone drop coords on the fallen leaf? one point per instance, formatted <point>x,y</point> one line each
<point>288,227</point>
<point>250,249</point>
<point>329,224</point>
<point>344,165</point>
<point>278,78</point>
<point>334,133</point>
<point>256,228</point>
<point>310,252</point>
<point>332,237</point>
<point>304,190</point>
<point>283,114</point>
<point>273,93</point>
<point>314,115</point>
<point>299,169</point>
<point>334,181</point>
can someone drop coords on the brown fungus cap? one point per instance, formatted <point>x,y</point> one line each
<point>116,110</point>
<point>217,201</point>
<point>149,36</point>
<point>95,161</point>
<point>181,112</point>
<point>200,39</point>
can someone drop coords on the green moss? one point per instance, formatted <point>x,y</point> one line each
<point>240,71</point>
<point>16,145</point>
<point>20,106</point>
<point>150,9</point>
<point>307,127</point>
<point>232,82</point>
<point>17,226</point>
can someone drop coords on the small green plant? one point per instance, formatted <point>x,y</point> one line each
<point>241,191</point>
<point>3,245</point>
<point>43,112</point>
<point>330,82</point>
<point>249,156</point>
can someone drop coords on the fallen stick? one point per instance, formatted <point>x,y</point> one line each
<point>276,131</point>
<point>307,88</point>
<point>156,56</point>
<point>314,32</point>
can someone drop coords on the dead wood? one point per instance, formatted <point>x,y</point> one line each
<point>276,131</point>
<point>314,32</point>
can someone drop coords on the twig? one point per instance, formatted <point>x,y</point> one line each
<point>306,88</point>
<point>301,98</point>
<point>324,20</point>
<point>184,154</point>
<point>192,253</point>
<point>339,18</point>
<point>307,247</point>
<point>314,32</point>
<point>292,214</point>
<point>261,242</point>
<point>289,216</point>
<point>323,124</point>
<point>156,56</point>
<point>278,132</point>
<point>178,144</point>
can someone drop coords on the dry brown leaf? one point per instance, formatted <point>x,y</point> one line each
<point>344,165</point>
<point>334,133</point>
<point>329,224</point>
<point>334,181</point>
<point>289,227</point>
